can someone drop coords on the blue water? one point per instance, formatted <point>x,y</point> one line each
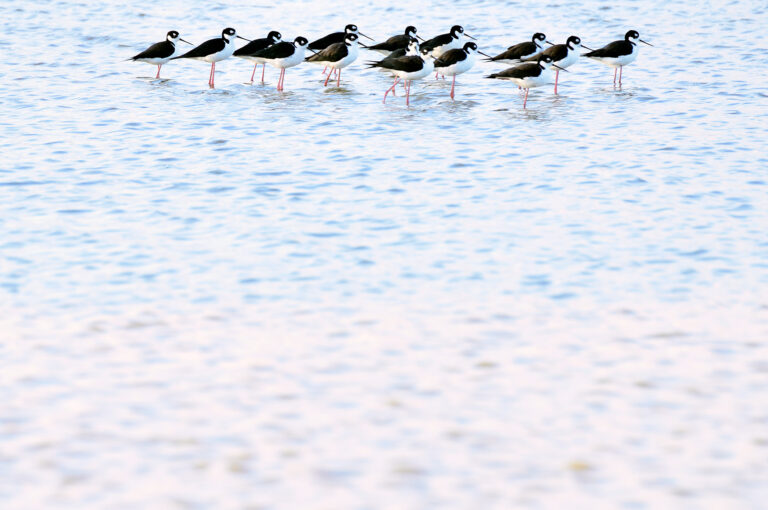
<point>237,298</point>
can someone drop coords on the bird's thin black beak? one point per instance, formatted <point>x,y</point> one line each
<point>470,36</point>
<point>561,68</point>
<point>550,43</point>
<point>419,37</point>
<point>359,32</point>
<point>182,40</point>
<point>243,38</point>
<point>483,54</point>
<point>645,42</point>
<point>587,47</point>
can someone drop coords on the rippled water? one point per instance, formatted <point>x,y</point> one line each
<point>235,298</point>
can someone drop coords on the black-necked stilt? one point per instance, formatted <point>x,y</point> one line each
<point>618,53</point>
<point>284,55</point>
<point>529,75</point>
<point>455,62</point>
<point>337,56</point>
<point>413,49</point>
<point>214,50</point>
<point>563,55</point>
<point>407,68</point>
<point>445,42</point>
<point>161,52</point>
<point>334,38</point>
<point>516,53</point>
<point>396,42</point>
<point>255,46</point>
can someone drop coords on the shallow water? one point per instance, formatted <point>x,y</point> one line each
<point>236,298</point>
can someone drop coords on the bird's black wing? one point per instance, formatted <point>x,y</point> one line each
<point>163,49</point>
<point>440,40</point>
<point>450,57</point>
<point>393,43</point>
<point>612,50</point>
<point>409,64</point>
<point>252,47</point>
<point>326,41</point>
<point>557,52</point>
<point>332,53</point>
<point>207,48</point>
<point>521,71</point>
<point>516,52</point>
<point>283,49</point>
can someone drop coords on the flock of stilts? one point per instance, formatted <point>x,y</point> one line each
<point>407,59</point>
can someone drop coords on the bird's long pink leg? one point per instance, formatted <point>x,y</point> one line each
<point>557,75</point>
<point>453,85</point>
<point>391,89</point>
<point>525,101</point>
<point>325,69</point>
<point>615,70</point>
<point>210,78</point>
<point>338,79</point>
<point>254,71</point>
<point>158,71</point>
<point>437,73</point>
<point>282,82</point>
<point>408,94</point>
<point>326,79</point>
<point>621,71</point>
<point>263,68</point>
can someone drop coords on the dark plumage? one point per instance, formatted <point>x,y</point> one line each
<point>521,71</point>
<point>258,44</point>
<point>336,37</point>
<point>162,49</point>
<point>517,52</point>
<point>451,57</point>
<point>396,42</point>
<point>207,48</point>
<point>332,53</point>
<point>282,49</point>
<point>408,64</point>
<point>443,39</point>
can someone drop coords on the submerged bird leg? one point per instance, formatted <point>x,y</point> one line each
<point>408,94</point>
<point>525,101</point>
<point>391,89</point>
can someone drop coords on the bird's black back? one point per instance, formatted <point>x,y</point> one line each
<point>324,42</point>
<point>521,71</point>
<point>517,51</point>
<point>162,49</point>
<point>283,49</point>
<point>209,47</point>
<point>435,42</point>
<point>395,42</point>
<point>557,52</point>
<point>450,57</point>
<point>332,53</point>
<point>612,50</point>
<point>252,47</point>
<point>408,64</point>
